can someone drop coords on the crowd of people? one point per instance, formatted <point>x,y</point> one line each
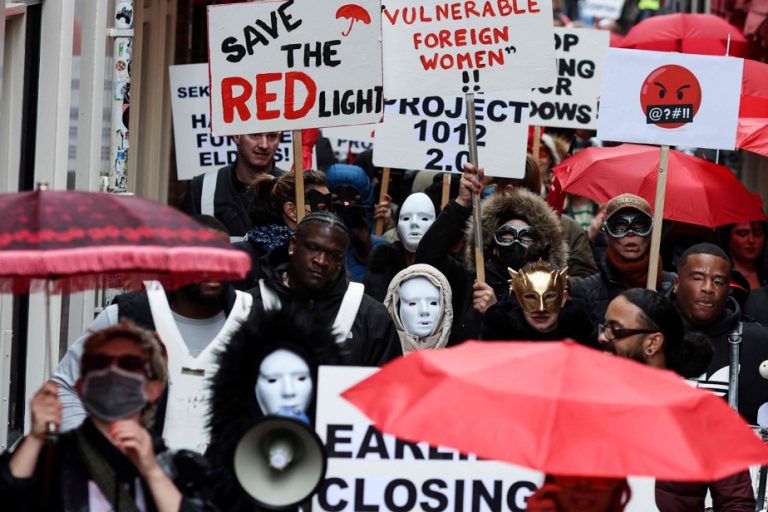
<point>150,402</point>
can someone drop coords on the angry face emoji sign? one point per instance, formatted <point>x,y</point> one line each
<point>670,96</point>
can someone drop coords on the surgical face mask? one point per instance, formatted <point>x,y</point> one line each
<point>421,306</point>
<point>112,394</point>
<point>284,384</point>
<point>416,216</point>
<point>538,287</point>
<point>620,225</point>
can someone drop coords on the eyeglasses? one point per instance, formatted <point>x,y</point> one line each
<point>612,333</point>
<point>129,363</point>
<point>619,226</point>
<point>507,235</point>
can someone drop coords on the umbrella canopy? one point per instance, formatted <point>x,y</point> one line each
<point>703,34</point>
<point>698,191</point>
<point>560,408</point>
<point>752,131</point>
<point>86,239</point>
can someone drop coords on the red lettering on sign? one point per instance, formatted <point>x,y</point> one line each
<point>264,98</point>
<point>290,94</point>
<point>230,102</point>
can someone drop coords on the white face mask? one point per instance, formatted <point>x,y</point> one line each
<point>416,215</point>
<point>284,383</point>
<point>421,306</point>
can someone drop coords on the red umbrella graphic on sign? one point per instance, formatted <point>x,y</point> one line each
<point>355,13</point>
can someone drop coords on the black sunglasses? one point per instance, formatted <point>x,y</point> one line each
<point>129,363</point>
<point>619,333</point>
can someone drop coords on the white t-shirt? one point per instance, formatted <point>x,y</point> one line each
<point>197,333</point>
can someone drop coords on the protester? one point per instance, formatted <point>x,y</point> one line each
<point>513,224</point>
<point>580,494</point>
<point>282,203</point>
<point>644,325</point>
<point>539,310</point>
<point>701,296</point>
<point>193,322</point>
<point>581,262</point>
<point>745,243</point>
<point>110,462</point>
<point>309,275</point>
<point>354,203</point>
<point>419,302</point>
<point>415,217</point>
<point>224,193</point>
<point>628,225</point>
<point>244,390</point>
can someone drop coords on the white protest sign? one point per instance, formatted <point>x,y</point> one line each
<point>368,470</point>
<point>433,47</point>
<point>285,65</point>
<point>610,9</point>
<point>572,101</point>
<point>197,151</point>
<point>670,98</point>
<point>431,134</point>
<point>346,140</point>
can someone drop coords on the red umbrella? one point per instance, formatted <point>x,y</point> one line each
<point>615,40</point>
<point>559,408</point>
<point>698,191</point>
<point>703,34</point>
<point>83,240</point>
<point>752,131</point>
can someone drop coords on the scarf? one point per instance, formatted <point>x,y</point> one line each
<point>270,237</point>
<point>632,274</point>
<point>408,341</point>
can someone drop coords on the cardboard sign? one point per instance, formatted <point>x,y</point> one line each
<point>610,9</point>
<point>432,47</point>
<point>670,98</point>
<point>286,65</point>
<point>572,101</point>
<point>197,150</point>
<point>431,134</point>
<point>368,470</point>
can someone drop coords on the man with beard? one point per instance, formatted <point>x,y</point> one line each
<point>628,225</point>
<point>193,323</point>
<point>308,275</point>
<point>224,193</point>
<point>701,296</point>
<point>517,226</point>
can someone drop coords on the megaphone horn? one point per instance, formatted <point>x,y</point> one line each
<point>280,462</point>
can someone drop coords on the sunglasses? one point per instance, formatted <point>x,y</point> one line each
<point>619,226</point>
<point>507,235</point>
<point>612,333</point>
<point>129,363</point>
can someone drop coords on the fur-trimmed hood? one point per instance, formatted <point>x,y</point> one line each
<point>523,203</point>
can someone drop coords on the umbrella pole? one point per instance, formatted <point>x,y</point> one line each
<point>49,364</point>
<point>658,216</point>
<point>446,193</point>
<point>379,229</point>
<point>477,228</point>
<point>298,170</point>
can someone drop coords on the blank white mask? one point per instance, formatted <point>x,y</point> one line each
<point>421,306</point>
<point>284,382</point>
<point>414,219</point>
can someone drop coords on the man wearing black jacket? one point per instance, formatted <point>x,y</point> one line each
<point>309,275</point>
<point>701,296</point>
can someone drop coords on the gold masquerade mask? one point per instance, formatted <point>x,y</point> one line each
<point>538,287</point>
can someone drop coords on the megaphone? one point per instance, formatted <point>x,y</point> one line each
<point>280,462</point>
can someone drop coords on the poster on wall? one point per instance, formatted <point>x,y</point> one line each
<point>286,65</point>
<point>670,99</point>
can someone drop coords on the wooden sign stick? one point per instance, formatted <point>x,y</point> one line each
<point>658,216</point>
<point>378,230</point>
<point>477,226</point>
<point>298,170</point>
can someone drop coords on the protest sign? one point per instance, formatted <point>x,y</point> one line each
<point>285,65</point>
<point>610,9</point>
<point>433,47</point>
<point>371,471</point>
<point>572,101</point>
<point>670,99</point>
<point>197,151</point>
<point>431,134</point>
<point>350,140</point>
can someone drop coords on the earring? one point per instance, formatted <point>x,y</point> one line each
<point>649,351</point>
